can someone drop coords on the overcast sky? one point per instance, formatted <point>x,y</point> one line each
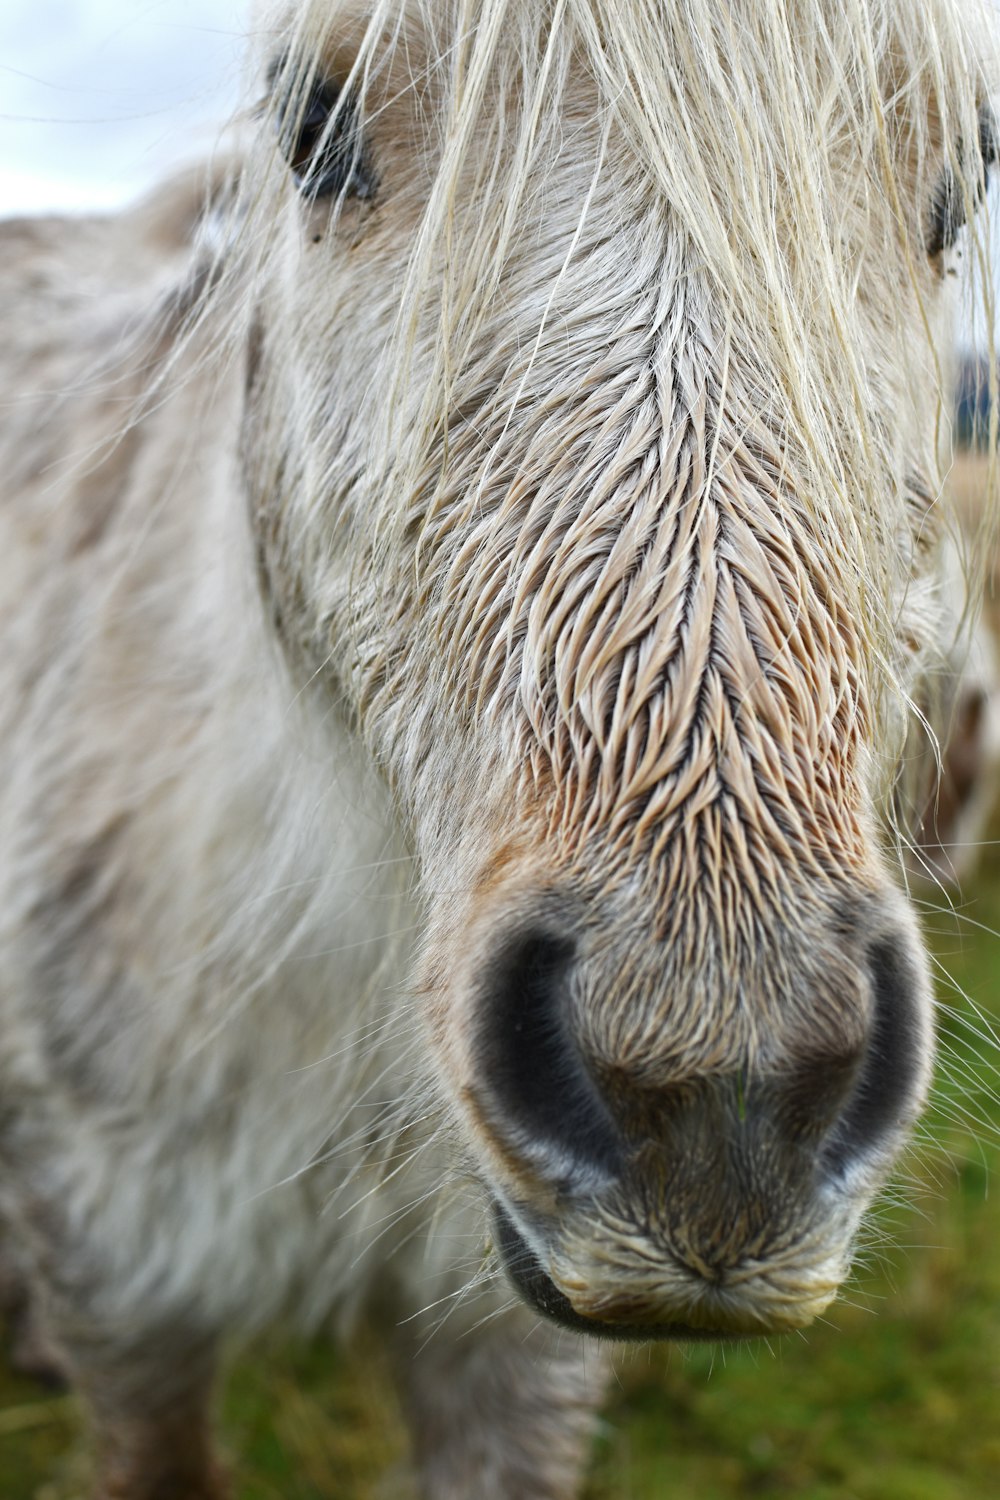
<point>99,97</point>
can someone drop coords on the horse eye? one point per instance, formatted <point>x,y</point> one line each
<point>948,211</point>
<point>324,145</point>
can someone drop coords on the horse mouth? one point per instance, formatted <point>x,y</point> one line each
<point>533,1283</point>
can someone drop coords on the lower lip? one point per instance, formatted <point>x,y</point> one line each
<point>533,1283</point>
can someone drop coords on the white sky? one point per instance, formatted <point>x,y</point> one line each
<point>99,97</point>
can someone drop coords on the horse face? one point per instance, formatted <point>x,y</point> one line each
<point>613,632</point>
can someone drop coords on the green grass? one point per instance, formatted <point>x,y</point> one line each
<point>895,1397</point>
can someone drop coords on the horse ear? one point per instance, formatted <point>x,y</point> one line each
<point>950,208</point>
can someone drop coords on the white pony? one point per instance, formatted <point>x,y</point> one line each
<point>467,576</point>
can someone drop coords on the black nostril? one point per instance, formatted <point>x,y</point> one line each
<point>539,1090</point>
<point>881,1098</point>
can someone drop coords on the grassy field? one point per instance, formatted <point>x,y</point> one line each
<point>896,1397</point>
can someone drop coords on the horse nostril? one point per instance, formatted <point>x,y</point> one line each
<point>885,1084</point>
<point>539,1091</point>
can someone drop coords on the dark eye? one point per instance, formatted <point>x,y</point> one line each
<point>948,212</point>
<point>323,143</point>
